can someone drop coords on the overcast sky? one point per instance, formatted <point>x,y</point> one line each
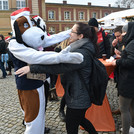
<point>84,2</point>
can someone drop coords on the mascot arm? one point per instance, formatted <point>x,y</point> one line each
<point>32,56</point>
<point>56,38</point>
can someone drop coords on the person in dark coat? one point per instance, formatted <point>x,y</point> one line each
<point>2,51</point>
<point>103,39</point>
<point>76,93</point>
<point>126,81</point>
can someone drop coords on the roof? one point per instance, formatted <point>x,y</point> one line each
<point>120,14</point>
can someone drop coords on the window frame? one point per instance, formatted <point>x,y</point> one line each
<point>52,29</point>
<point>52,15</point>
<point>4,5</point>
<point>22,4</point>
<point>83,18</point>
<point>67,15</point>
<point>94,15</point>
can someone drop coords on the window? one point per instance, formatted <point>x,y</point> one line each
<point>51,30</point>
<point>51,15</point>
<point>67,15</point>
<point>105,14</point>
<point>67,28</point>
<point>81,15</point>
<point>3,4</point>
<point>20,4</point>
<point>94,15</point>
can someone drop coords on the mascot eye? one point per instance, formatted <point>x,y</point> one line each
<point>26,25</point>
<point>33,23</point>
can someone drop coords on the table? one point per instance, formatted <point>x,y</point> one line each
<point>100,116</point>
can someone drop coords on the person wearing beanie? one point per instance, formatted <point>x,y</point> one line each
<point>93,22</point>
<point>103,41</point>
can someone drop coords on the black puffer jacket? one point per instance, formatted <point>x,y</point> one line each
<point>126,65</point>
<point>76,94</point>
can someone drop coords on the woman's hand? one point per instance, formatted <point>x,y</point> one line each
<point>22,71</point>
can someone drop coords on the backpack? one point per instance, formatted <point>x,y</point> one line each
<point>99,81</point>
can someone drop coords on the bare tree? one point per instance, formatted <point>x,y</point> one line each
<point>125,3</point>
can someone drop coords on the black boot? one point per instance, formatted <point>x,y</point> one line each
<point>47,130</point>
<point>62,115</point>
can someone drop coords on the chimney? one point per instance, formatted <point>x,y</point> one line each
<point>109,5</point>
<point>89,3</point>
<point>64,2</point>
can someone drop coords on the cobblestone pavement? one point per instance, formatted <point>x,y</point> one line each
<point>11,115</point>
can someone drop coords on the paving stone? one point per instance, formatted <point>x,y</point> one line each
<point>11,116</point>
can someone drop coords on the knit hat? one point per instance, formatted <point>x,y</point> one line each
<point>18,13</point>
<point>93,22</point>
<point>124,28</point>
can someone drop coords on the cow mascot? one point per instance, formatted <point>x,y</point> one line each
<point>29,36</point>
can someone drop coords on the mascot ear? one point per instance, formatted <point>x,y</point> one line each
<point>17,33</point>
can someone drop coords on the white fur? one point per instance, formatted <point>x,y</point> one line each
<point>32,37</point>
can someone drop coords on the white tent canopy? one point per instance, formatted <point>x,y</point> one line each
<point>120,14</point>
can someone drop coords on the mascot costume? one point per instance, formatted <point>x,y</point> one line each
<point>29,36</point>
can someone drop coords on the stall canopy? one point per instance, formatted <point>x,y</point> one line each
<point>120,14</point>
<point>114,19</point>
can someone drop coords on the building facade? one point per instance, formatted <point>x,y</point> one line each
<point>62,16</point>
<point>37,7</point>
<point>58,16</point>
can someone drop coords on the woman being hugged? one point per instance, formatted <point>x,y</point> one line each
<point>83,39</point>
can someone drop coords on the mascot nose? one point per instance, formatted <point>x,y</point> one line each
<point>42,37</point>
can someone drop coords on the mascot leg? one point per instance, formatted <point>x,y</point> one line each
<point>33,104</point>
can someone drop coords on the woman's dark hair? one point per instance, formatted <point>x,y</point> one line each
<point>2,37</point>
<point>88,32</point>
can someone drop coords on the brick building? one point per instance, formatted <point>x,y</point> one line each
<point>58,16</point>
<point>62,16</point>
<point>37,7</point>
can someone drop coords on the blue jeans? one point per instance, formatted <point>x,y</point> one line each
<point>3,69</point>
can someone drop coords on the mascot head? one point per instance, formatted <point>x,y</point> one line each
<point>28,31</point>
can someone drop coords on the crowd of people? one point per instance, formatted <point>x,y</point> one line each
<point>85,38</point>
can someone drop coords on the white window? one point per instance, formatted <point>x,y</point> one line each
<point>51,30</point>
<point>20,4</point>
<point>67,28</point>
<point>81,15</point>
<point>67,15</point>
<point>51,15</point>
<point>94,15</point>
<point>3,4</point>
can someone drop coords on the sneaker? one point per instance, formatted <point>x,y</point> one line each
<point>131,130</point>
<point>47,130</point>
<point>23,123</point>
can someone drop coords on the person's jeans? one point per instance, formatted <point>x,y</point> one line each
<point>76,117</point>
<point>3,69</point>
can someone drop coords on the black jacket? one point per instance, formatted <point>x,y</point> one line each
<point>75,92</point>
<point>103,44</point>
<point>3,47</point>
<point>126,65</point>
